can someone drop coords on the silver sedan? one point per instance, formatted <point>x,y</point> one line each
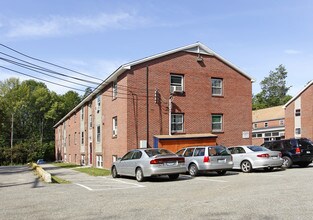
<point>248,158</point>
<point>141,163</point>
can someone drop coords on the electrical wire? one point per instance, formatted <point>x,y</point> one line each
<point>30,68</point>
<point>48,70</point>
<point>33,58</point>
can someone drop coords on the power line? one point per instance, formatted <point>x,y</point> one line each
<point>41,79</point>
<point>48,70</point>
<point>49,63</point>
<point>31,68</point>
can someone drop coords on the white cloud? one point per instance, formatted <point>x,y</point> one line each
<point>58,25</point>
<point>291,51</point>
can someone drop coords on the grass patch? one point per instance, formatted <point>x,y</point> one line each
<point>66,165</point>
<point>59,180</point>
<point>94,171</point>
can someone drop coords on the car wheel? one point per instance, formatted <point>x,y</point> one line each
<point>246,166</point>
<point>287,162</point>
<point>114,172</point>
<point>139,175</point>
<point>221,172</point>
<point>269,168</point>
<point>193,170</point>
<point>173,176</point>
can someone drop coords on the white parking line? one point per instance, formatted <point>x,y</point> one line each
<point>211,180</point>
<point>86,187</point>
<point>121,181</point>
<point>109,186</point>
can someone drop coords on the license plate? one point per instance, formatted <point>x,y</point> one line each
<point>274,158</point>
<point>170,163</point>
<point>308,152</point>
<point>221,161</point>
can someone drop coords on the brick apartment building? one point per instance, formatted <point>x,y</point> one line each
<point>268,124</point>
<point>186,96</point>
<point>299,114</point>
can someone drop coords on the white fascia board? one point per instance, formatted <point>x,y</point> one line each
<point>268,129</point>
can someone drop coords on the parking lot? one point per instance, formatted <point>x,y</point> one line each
<point>281,194</point>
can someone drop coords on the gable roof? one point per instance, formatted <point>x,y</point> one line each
<point>197,48</point>
<point>296,96</point>
<point>267,114</point>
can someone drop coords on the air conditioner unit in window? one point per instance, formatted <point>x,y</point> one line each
<point>176,89</point>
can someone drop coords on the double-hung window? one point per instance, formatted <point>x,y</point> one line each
<point>177,123</point>
<point>98,134</point>
<point>98,103</point>
<point>217,87</point>
<point>114,90</point>
<point>298,112</point>
<point>217,123</point>
<point>114,128</point>
<point>177,83</point>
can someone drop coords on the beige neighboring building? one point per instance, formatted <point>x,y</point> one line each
<point>268,124</point>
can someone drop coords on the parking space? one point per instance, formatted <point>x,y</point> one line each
<point>108,183</point>
<point>236,195</point>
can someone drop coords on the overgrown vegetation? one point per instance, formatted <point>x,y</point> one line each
<point>66,165</point>
<point>58,180</point>
<point>94,171</point>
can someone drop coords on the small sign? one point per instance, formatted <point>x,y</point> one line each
<point>245,134</point>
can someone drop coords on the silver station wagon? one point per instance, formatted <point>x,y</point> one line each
<point>206,158</point>
<point>142,163</point>
<point>247,158</point>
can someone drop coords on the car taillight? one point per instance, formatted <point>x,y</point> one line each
<point>263,155</point>
<point>156,161</point>
<point>298,151</point>
<point>206,159</point>
<point>181,160</point>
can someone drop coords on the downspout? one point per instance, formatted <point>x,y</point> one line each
<point>147,103</point>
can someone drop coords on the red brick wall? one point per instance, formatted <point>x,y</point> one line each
<point>197,104</point>
<point>307,113</point>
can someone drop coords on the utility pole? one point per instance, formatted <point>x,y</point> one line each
<point>12,140</point>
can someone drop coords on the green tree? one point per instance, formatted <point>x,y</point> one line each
<point>274,90</point>
<point>35,110</point>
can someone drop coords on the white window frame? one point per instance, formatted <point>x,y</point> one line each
<point>217,86</point>
<point>114,90</point>
<point>175,123</point>
<point>99,160</point>
<point>82,113</point>
<point>297,112</point>
<point>98,103</point>
<point>98,133</point>
<point>82,138</point>
<point>297,131</point>
<point>215,123</point>
<point>82,160</point>
<point>114,126</point>
<point>177,87</point>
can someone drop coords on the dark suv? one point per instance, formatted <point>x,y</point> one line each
<point>294,151</point>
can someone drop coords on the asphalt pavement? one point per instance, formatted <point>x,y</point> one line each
<point>282,194</point>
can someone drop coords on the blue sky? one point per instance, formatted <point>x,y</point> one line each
<point>96,37</point>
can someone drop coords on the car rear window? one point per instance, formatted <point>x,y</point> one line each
<point>153,152</point>
<point>219,151</point>
<point>257,148</point>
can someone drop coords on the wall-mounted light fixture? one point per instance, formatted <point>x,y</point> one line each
<point>199,58</point>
